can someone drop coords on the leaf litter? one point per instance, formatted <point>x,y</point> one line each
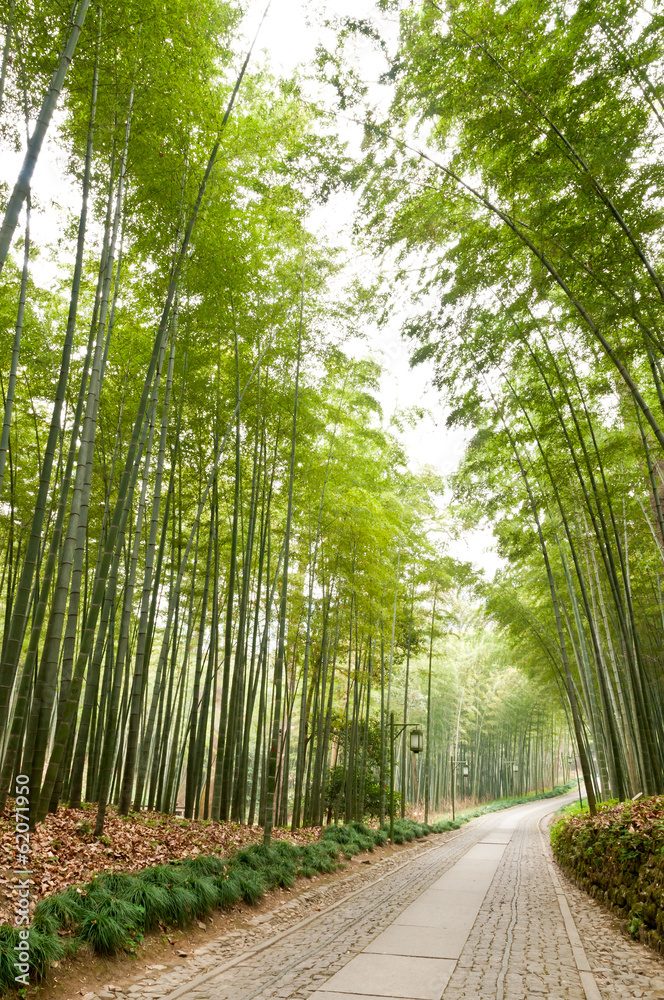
<point>64,851</point>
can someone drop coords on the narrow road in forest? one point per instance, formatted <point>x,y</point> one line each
<point>483,916</point>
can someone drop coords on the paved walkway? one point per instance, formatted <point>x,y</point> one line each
<point>490,926</point>
<point>483,916</point>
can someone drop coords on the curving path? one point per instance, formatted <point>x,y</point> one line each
<point>484,915</point>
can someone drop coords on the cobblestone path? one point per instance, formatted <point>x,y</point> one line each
<point>484,915</point>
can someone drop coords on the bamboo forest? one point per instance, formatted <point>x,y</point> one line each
<point>245,578</point>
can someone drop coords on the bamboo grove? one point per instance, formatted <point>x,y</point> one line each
<point>519,172</point>
<point>219,573</point>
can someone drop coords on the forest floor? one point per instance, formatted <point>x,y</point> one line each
<point>238,927</point>
<point>64,851</point>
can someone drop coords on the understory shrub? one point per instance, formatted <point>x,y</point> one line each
<point>618,858</point>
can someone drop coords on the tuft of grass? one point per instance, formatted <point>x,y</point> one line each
<point>349,838</point>
<point>103,933</point>
<point>110,923</point>
<point>406,830</point>
<point>207,864</point>
<point>181,905</point>
<point>317,858</point>
<point>163,875</point>
<point>8,941</point>
<point>154,901</point>
<point>443,825</point>
<point>285,849</point>
<point>253,857</point>
<point>252,885</point>
<point>64,910</point>
<point>204,892</point>
<point>282,876</point>
<point>44,921</point>
<point>45,948</point>
<point>229,890</point>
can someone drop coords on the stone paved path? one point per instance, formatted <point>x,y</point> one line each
<point>484,915</point>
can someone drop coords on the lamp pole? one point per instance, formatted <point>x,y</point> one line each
<point>391,777</point>
<point>453,765</point>
<point>515,768</point>
<point>572,760</point>
<point>415,746</point>
<point>427,761</point>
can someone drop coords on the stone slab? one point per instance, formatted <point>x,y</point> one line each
<point>393,976</point>
<point>485,852</point>
<point>325,995</point>
<point>473,877</point>
<point>498,838</point>
<point>422,941</point>
<point>453,924</point>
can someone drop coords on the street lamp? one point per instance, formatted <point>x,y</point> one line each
<point>416,746</point>
<point>416,740</point>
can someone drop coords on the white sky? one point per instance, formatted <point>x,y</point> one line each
<point>289,36</point>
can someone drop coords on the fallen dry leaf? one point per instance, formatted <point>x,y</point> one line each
<point>64,852</point>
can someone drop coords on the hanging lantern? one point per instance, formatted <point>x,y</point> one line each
<point>515,767</point>
<point>465,771</point>
<point>416,740</point>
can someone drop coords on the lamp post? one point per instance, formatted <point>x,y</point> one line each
<point>572,760</point>
<point>465,772</point>
<point>416,746</point>
<point>515,768</point>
